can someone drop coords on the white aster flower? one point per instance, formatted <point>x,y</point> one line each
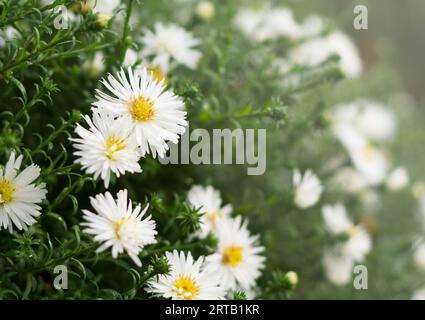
<point>338,268</point>
<point>307,189</point>
<point>371,162</point>
<point>267,23</point>
<point>358,245</point>
<point>317,50</point>
<point>187,280</point>
<point>349,180</point>
<point>19,196</point>
<point>370,118</point>
<point>398,179</point>
<point>336,218</point>
<point>208,200</point>
<point>104,6</point>
<point>237,261</point>
<point>419,256</point>
<point>107,146</point>
<point>118,226</point>
<point>169,44</point>
<point>157,114</point>
<point>312,26</point>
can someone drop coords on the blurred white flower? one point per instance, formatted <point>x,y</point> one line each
<point>419,256</point>
<point>107,146</point>
<point>338,268</point>
<point>349,180</point>
<point>317,50</point>
<point>187,280</point>
<point>131,57</point>
<point>371,162</point>
<point>398,179</point>
<point>370,118</point>
<point>117,225</point>
<point>312,26</point>
<point>95,66</point>
<point>307,189</point>
<point>237,261</point>
<point>358,245</point>
<point>370,200</point>
<point>418,190</point>
<point>8,34</point>
<point>419,294</point>
<point>267,23</point>
<point>208,200</point>
<point>19,195</point>
<point>205,10</point>
<point>375,120</point>
<point>104,6</point>
<point>157,114</point>
<point>169,44</point>
<point>336,218</point>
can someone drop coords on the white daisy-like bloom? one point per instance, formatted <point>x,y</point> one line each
<point>248,21</point>
<point>371,162</point>
<point>336,218</point>
<point>187,280</point>
<point>338,268</point>
<point>419,294</point>
<point>372,119</point>
<point>170,44</point>
<point>157,114</point>
<point>349,180</point>
<point>419,256</point>
<point>104,6</point>
<point>312,26</point>
<point>208,200</point>
<point>267,23</point>
<point>237,261</point>
<point>278,22</point>
<point>358,245</point>
<point>397,179</point>
<point>19,195</point>
<point>108,145</point>
<point>317,50</point>
<point>307,189</point>
<point>118,226</point>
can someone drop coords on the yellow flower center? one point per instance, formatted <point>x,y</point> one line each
<point>353,231</point>
<point>113,145</point>
<point>118,225</point>
<point>186,287</point>
<point>158,75</point>
<point>232,256</point>
<point>141,109</point>
<point>6,191</point>
<point>213,216</point>
<point>368,152</point>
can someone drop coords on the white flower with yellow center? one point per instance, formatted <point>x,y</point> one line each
<point>118,226</point>
<point>307,189</point>
<point>337,222</point>
<point>208,200</point>
<point>108,145</point>
<point>157,114</point>
<point>170,44</point>
<point>19,196</point>
<point>186,280</point>
<point>237,261</point>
